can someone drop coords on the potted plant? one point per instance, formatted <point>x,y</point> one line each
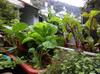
<point>42,38</point>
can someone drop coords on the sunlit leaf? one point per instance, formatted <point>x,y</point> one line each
<point>49,44</point>
<point>88,23</point>
<point>85,14</point>
<point>19,27</point>
<point>94,13</point>
<point>27,39</point>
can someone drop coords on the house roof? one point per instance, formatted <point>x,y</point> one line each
<point>17,3</point>
<point>29,3</point>
<point>21,3</point>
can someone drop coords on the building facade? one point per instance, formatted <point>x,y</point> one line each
<point>28,12</point>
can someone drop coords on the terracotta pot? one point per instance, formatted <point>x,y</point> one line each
<point>29,69</point>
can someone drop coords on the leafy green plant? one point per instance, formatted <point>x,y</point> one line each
<point>91,30</point>
<point>43,35</point>
<point>36,60</point>
<point>5,16</point>
<point>74,63</point>
<point>6,62</point>
<point>14,35</point>
<point>82,37</point>
<point>73,29</point>
<point>91,23</point>
<point>55,20</point>
<point>69,27</point>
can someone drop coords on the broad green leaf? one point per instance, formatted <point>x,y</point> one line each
<point>66,19</point>
<point>98,70</point>
<point>20,35</point>
<point>8,31</point>
<point>27,39</point>
<point>45,29</point>
<point>37,37</point>
<point>90,39</point>
<point>88,23</point>
<point>85,14</point>
<point>52,37</point>
<point>92,72</point>
<point>19,27</point>
<point>49,44</point>
<point>31,50</point>
<point>94,13</point>
<point>55,19</point>
<point>52,29</point>
<point>40,27</point>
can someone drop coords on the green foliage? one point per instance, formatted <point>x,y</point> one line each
<point>73,25</point>
<point>7,64</point>
<point>92,14</point>
<point>36,60</point>
<point>55,20</point>
<point>91,21</point>
<point>90,41</point>
<point>68,26</point>
<point>85,37</point>
<point>18,27</point>
<point>91,29</point>
<point>43,34</point>
<point>42,37</point>
<point>15,32</point>
<point>8,12</point>
<point>74,63</point>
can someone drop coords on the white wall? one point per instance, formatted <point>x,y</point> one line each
<point>36,19</point>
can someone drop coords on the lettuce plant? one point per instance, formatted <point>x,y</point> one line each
<point>43,34</point>
<point>42,37</point>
